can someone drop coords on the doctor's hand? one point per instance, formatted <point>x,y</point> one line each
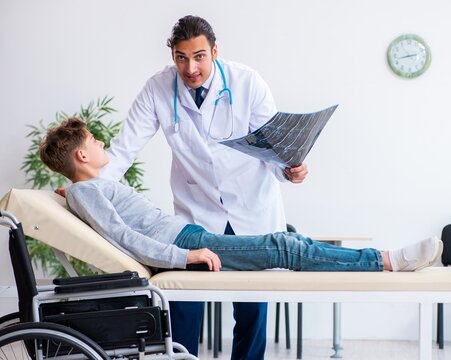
<point>61,191</point>
<point>296,174</point>
<point>204,256</point>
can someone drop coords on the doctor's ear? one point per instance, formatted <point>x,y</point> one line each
<point>214,52</point>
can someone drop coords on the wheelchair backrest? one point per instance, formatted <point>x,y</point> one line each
<point>23,272</point>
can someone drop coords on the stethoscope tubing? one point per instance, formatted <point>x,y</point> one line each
<point>224,89</point>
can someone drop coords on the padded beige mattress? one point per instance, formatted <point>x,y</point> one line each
<point>430,279</point>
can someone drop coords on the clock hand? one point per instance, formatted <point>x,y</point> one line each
<point>406,56</point>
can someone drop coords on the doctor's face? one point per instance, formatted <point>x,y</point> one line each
<point>194,60</point>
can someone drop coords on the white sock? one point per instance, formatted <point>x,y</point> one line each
<point>396,259</point>
<point>416,256</point>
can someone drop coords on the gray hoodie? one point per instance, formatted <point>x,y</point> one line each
<point>129,221</point>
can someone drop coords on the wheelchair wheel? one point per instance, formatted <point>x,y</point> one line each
<point>41,341</point>
<point>9,319</point>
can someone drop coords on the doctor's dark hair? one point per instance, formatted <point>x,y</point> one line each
<point>189,27</point>
<point>58,146</point>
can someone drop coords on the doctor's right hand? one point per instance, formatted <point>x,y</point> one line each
<point>296,174</point>
<point>204,256</point>
<point>61,191</point>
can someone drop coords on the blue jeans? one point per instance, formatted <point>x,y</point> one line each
<point>279,250</point>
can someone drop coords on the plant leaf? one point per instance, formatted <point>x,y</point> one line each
<point>37,173</point>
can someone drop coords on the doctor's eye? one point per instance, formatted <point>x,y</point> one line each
<point>180,58</point>
<point>200,57</point>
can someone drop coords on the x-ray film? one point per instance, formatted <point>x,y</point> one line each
<point>285,139</point>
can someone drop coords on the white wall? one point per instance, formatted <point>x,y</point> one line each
<point>379,169</point>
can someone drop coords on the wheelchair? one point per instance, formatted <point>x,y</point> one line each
<point>108,316</point>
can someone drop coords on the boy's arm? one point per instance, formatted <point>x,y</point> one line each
<point>90,205</point>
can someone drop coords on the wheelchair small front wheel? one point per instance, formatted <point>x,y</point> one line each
<point>43,341</point>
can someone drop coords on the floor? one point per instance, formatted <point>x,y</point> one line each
<point>352,350</point>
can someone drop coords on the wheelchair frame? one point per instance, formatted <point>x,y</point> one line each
<point>76,292</point>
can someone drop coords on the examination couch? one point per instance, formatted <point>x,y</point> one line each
<point>44,217</point>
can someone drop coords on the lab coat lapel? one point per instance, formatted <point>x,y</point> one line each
<point>215,87</point>
<point>185,98</point>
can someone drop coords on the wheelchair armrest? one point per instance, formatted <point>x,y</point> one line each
<point>101,285</point>
<point>96,278</point>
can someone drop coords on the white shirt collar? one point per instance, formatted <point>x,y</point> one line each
<point>207,83</point>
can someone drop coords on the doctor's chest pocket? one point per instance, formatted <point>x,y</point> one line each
<point>179,137</point>
<point>186,134</point>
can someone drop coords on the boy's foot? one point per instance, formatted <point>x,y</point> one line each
<point>416,256</point>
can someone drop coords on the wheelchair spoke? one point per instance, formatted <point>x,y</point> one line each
<point>47,341</point>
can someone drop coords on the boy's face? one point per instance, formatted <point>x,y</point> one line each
<point>94,152</point>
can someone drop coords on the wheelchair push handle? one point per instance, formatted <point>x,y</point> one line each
<point>8,219</point>
<point>7,214</point>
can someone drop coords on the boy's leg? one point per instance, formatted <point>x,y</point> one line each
<point>279,250</point>
<point>296,252</point>
<point>249,333</point>
<point>186,317</point>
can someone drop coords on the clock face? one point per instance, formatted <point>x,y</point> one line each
<point>408,56</point>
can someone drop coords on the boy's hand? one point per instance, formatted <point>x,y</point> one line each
<point>61,191</point>
<point>204,256</point>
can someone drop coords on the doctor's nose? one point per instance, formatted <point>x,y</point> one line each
<point>191,66</point>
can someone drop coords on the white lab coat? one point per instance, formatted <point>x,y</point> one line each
<point>203,171</point>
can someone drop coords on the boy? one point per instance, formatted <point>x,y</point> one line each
<point>136,226</point>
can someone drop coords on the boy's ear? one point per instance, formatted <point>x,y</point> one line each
<point>81,155</point>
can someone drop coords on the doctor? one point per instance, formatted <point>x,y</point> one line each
<point>197,102</point>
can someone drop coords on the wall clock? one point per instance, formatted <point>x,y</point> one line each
<point>408,56</point>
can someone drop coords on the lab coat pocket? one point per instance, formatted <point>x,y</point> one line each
<point>183,135</point>
<point>194,189</point>
<point>180,139</point>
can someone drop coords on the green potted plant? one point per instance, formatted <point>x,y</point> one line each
<point>95,115</point>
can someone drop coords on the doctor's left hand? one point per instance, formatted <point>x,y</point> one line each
<point>296,174</point>
<point>204,256</point>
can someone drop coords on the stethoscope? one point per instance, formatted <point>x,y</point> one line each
<point>222,94</point>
